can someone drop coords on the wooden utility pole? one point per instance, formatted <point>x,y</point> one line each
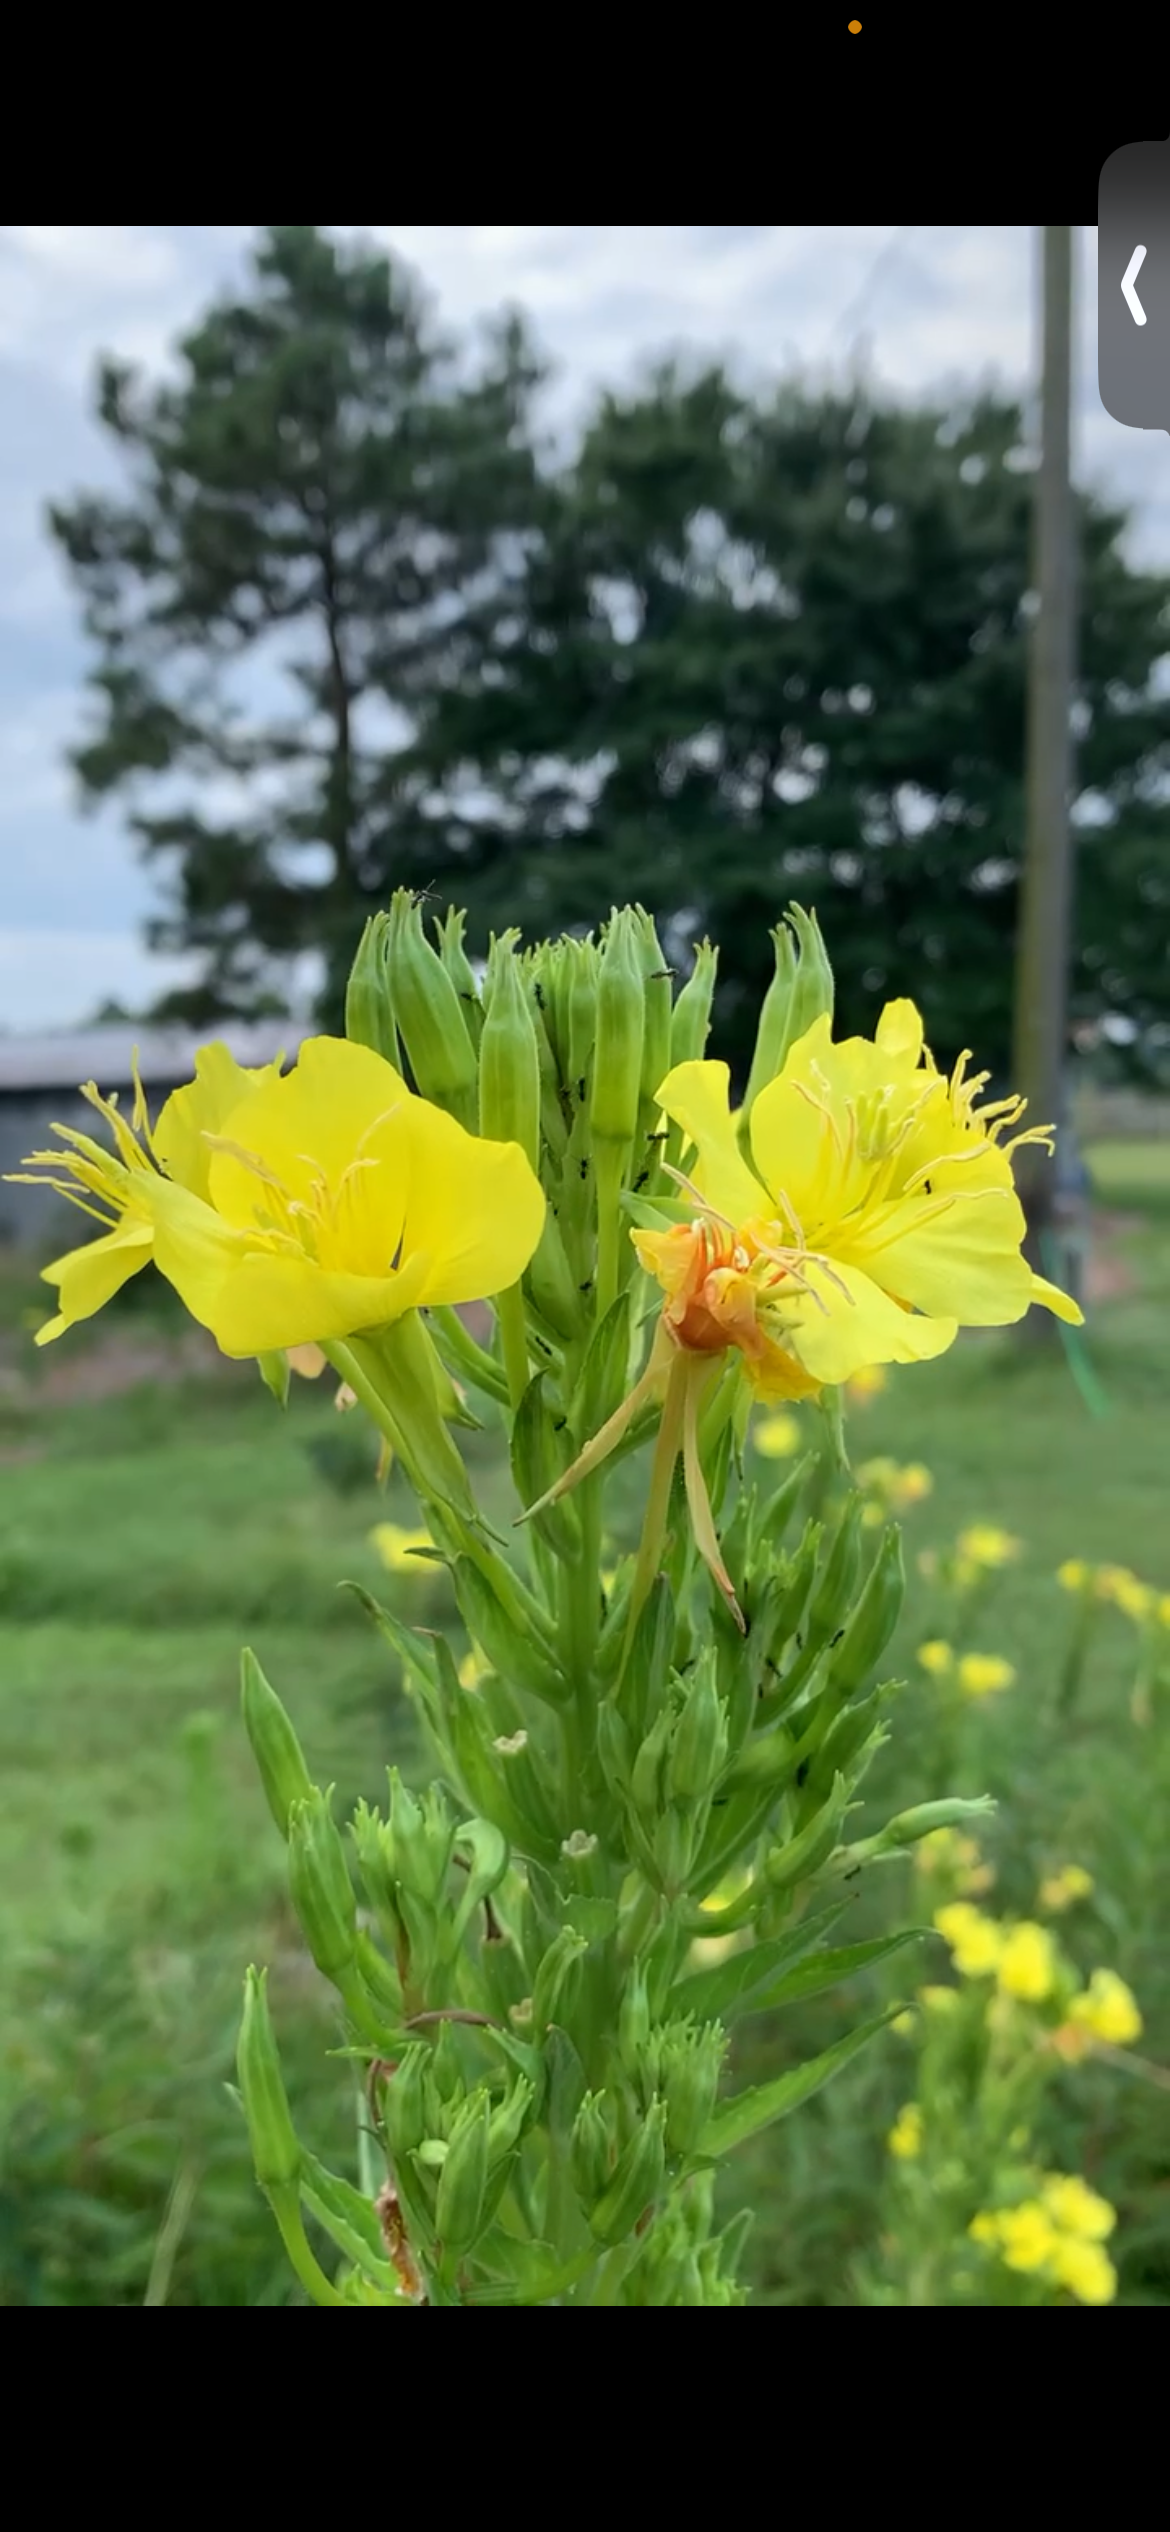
<point>1045,931</point>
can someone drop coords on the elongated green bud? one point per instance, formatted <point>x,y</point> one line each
<point>834,1592</point>
<point>404,2102</point>
<point>430,1015</point>
<point>509,1062</point>
<point>511,1649</point>
<point>636,2180</point>
<point>557,1978</point>
<point>633,2020</point>
<point>657,986</point>
<point>449,929</point>
<point>322,1892</point>
<point>874,1619</point>
<point>463,2178</point>
<point>590,2150</point>
<point>617,1072</point>
<point>800,992</point>
<point>369,1012</point>
<point>646,1787</point>
<point>582,969</point>
<point>507,2121</point>
<point>549,1284</point>
<point>698,1752</point>
<point>909,1826</point>
<point>690,1021</point>
<point>805,1854</point>
<point>275,2151</point>
<point>275,1746</point>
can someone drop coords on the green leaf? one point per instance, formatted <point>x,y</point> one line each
<point>748,2112</point>
<point>828,1969</point>
<point>528,2272</point>
<point>274,1373</point>
<point>348,2219</point>
<point>712,1994</point>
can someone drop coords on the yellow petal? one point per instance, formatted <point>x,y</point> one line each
<point>859,1324</point>
<point>475,1208</point>
<point>307,1129</point>
<point>1051,1298</point>
<point>89,1277</point>
<point>899,1032</point>
<point>698,1097</point>
<point>201,1107</point>
<point>959,1254</point>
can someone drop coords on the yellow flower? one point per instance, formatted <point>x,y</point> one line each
<point>1027,1963</point>
<point>976,1942</point>
<point>938,1999</point>
<point>905,2137</point>
<point>1060,1890</point>
<point>1107,2010</point>
<point>116,1187</point>
<point>877,1216</point>
<point>778,1437</point>
<point>892,1488</point>
<point>1085,2269</point>
<point>983,1674</point>
<point>1074,1574</point>
<point>986,1547</point>
<point>867,1383</point>
<point>397,1548</point>
<point>984,2228</point>
<point>1076,2208</point>
<point>473,1667</point>
<point>1027,2236</point>
<point>1133,1598</point>
<point>295,1209</point>
<point>936,1657</point>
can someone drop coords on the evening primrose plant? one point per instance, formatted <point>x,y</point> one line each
<point>970,2216</point>
<point>641,1822</point>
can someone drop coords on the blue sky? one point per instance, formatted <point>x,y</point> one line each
<point>933,305</point>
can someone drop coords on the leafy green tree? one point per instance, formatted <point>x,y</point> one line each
<point>325,520</point>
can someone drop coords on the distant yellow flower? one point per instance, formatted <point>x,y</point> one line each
<point>867,1383</point>
<point>986,1547</point>
<point>948,1853</point>
<point>473,1667</point>
<point>778,1437</point>
<point>1133,1598</point>
<point>1026,1967</point>
<point>936,1657</point>
<point>1107,2010</point>
<point>984,1674</point>
<point>976,1942</point>
<point>905,2137</point>
<point>1085,2269</point>
<point>1061,1889</point>
<point>1027,2236</point>
<point>1075,1573</point>
<point>892,1488</point>
<point>938,1999</point>
<point>397,1548</point>
<point>1076,2208</point>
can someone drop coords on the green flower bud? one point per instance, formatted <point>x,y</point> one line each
<point>617,1071</point>
<point>369,1013</point>
<point>834,1592</point>
<point>909,1826</point>
<point>633,2020</point>
<point>698,1750</point>
<point>800,992</point>
<point>509,1063</point>
<point>507,2121</point>
<point>552,1116</point>
<point>463,2178</point>
<point>430,1015</point>
<point>591,2149</point>
<point>449,929</point>
<point>420,1840</point>
<point>692,2062</point>
<point>658,989</point>
<point>322,1892</point>
<point>691,1018</point>
<point>275,2152</point>
<point>613,1749</point>
<point>675,1841</point>
<point>874,1619</point>
<point>581,979</point>
<point>549,1285</point>
<point>275,1746</point>
<point>557,1979</point>
<point>636,2180</point>
<point>546,983</point>
<point>646,1785</point>
<point>404,2102</point>
<point>510,1648</point>
<point>804,1855</point>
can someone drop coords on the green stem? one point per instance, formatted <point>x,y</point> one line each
<point>514,1341</point>
<point>286,2208</point>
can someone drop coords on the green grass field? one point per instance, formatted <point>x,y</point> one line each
<point>146,1535</point>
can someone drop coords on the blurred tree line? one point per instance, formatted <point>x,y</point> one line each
<point>355,627</point>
